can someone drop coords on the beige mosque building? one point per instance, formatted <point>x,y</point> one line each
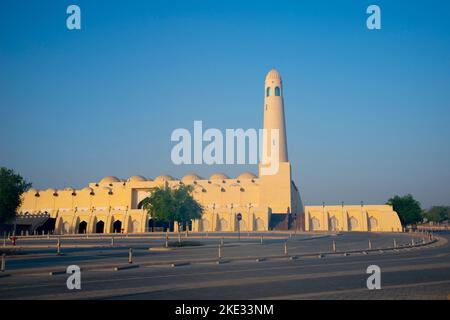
<point>265,202</point>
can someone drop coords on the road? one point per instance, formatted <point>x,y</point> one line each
<point>418,273</point>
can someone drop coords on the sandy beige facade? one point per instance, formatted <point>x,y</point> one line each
<point>265,202</point>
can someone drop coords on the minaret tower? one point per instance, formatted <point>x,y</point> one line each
<point>274,118</point>
<point>278,193</point>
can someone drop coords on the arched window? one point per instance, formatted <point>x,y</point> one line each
<point>277,91</point>
<point>268,91</point>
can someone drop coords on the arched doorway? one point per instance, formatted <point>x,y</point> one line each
<point>334,224</point>
<point>117,226</point>
<point>66,228</point>
<point>373,224</point>
<point>314,225</point>
<point>82,227</point>
<point>136,226</point>
<point>205,225</point>
<point>259,224</point>
<point>100,227</point>
<point>352,224</point>
<point>222,225</point>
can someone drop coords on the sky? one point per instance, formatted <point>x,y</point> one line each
<point>367,111</point>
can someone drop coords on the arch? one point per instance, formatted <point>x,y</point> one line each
<point>117,226</point>
<point>334,224</point>
<point>205,225</point>
<point>268,92</point>
<point>100,227</point>
<point>314,225</point>
<point>141,204</point>
<point>277,91</point>
<point>353,224</point>
<point>82,227</point>
<point>65,227</point>
<point>136,226</point>
<point>259,225</point>
<point>222,225</point>
<point>373,224</point>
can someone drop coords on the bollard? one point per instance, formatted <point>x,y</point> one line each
<point>3,266</point>
<point>220,252</point>
<point>395,243</point>
<point>179,237</point>
<point>4,241</point>
<point>167,241</point>
<point>112,241</point>
<point>130,255</point>
<point>334,246</point>
<point>423,240</point>
<point>261,239</point>
<point>58,247</point>
<point>221,241</point>
<point>370,245</point>
<point>48,235</point>
<point>286,248</point>
<point>412,242</point>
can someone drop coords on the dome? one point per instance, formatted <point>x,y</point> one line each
<point>218,176</point>
<point>190,178</point>
<point>163,178</point>
<point>246,176</point>
<point>273,75</point>
<point>136,178</point>
<point>109,179</point>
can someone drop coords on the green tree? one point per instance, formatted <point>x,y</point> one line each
<point>408,209</point>
<point>170,205</point>
<point>12,186</point>
<point>437,213</point>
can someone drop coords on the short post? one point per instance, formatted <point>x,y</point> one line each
<point>48,235</point>
<point>395,244</point>
<point>370,245</point>
<point>3,266</point>
<point>130,255</point>
<point>4,240</point>
<point>167,241</point>
<point>334,246</point>
<point>221,241</point>
<point>412,242</point>
<point>58,247</point>
<point>286,248</point>
<point>179,237</point>
<point>220,252</point>
<point>112,241</point>
<point>423,240</point>
<point>261,239</point>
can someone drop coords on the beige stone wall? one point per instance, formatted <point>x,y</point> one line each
<point>375,218</point>
<point>113,200</point>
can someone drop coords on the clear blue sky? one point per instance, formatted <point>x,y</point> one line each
<point>368,112</point>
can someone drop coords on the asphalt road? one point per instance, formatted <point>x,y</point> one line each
<point>419,273</point>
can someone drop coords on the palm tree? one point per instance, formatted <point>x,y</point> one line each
<point>170,205</point>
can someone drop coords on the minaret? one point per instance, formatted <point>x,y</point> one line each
<point>278,193</point>
<point>274,118</point>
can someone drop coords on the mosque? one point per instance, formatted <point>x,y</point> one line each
<point>265,202</point>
